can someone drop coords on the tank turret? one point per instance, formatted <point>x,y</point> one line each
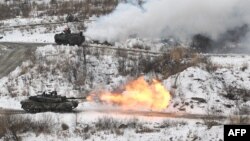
<point>50,102</point>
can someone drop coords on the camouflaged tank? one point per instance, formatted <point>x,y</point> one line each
<point>69,38</point>
<point>49,102</point>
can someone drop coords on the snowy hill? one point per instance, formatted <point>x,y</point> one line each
<point>194,90</point>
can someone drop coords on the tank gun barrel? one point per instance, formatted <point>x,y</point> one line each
<point>77,97</point>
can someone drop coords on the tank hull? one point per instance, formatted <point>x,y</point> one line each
<point>69,39</point>
<point>35,107</point>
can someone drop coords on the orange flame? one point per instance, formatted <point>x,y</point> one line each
<point>139,94</point>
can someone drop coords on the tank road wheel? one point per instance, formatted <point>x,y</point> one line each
<point>28,110</point>
<point>58,42</point>
<point>68,109</point>
<point>27,107</point>
<point>36,110</point>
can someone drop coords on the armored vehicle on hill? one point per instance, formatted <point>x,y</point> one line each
<point>68,38</point>
<point>49,102</point>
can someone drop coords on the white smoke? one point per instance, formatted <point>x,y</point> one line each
<point>177,18</point>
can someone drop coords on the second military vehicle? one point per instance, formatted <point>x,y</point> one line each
<point>72,39</point>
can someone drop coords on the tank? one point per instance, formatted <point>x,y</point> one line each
<point>49,102</point>
<point>69,38</point>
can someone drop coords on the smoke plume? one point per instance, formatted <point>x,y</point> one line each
<point>171,18</point>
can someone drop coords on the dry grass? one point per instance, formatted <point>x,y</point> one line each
<point>107,123</point>
<point>177,60</point>
<point>169,123</point>
<point>173,62</point>
<point>13,125</point>
<point>145,129</point>
<point>178,53</point>
<point>210,120</point>
<point>241,114</point>
<point>6,12</point>
<point>235,93</point>
<point>239,119</point>
<point>117,127</point>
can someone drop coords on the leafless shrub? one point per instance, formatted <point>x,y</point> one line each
<point>3,126</point>
<point>25,93</point>
<point>24,69</point>
<point>239,119</point>
<point>175,61</point>
<point>53,2</point>
<point>6,12</point>
<point>145,63</point>
<point>42,126</point>
<point>64,66</point>
<point>118,131</point>
<point>169,123</point>
<point>140,46</point>
<point>85,131</point>
<point>145,129</point>
<point>133,123</point>
<point>107,123</point>
<point>11,89</point>
<point>192,136</point>
<point>25,9</point>
<point>117,126</point>
<point>41,68</point>
<point>210,122</point>
<point>122,66</point>
<point>210,119</point>
<point>167,64</point>
<point>178,53</point>
<point>244,67</point>
<point>97,53</point>
<point>240,115</point>
<point>80,81</point>
<point>211,67</point>
<point>64,126</point>
<point>235,93</point>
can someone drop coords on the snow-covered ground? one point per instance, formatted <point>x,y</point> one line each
<point>29,21</point>
<point>93,126</point>
<point>195,90</point>
<point>16,29</point>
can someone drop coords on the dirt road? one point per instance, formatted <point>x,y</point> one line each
<point>127,112</point>
<point>13,54</point>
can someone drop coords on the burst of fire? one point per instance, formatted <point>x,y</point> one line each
<point>138,94</point>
